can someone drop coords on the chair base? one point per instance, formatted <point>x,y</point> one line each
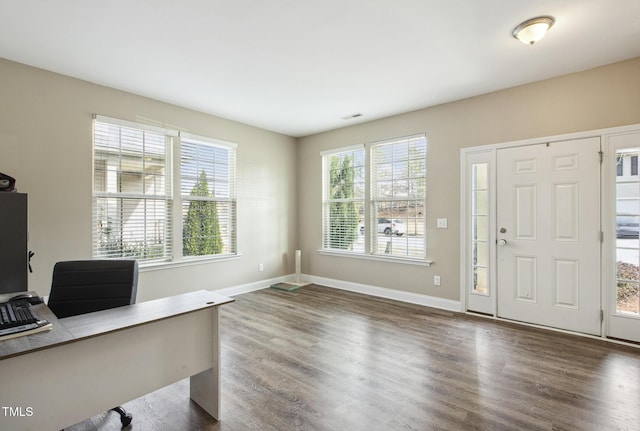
<point>125,417</point>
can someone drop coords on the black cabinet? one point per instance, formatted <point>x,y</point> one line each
<point>13,242</point>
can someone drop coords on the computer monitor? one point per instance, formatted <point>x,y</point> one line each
<point>14,259</point>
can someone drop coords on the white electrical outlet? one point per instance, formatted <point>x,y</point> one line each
<point>442,223</point>
<point>436,280</point>
<point>260,267</point>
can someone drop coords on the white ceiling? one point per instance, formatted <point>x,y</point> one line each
<point>298,66</point>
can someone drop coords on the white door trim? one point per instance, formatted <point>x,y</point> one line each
<point>618,325</point>
<point>606,270</point>
<point>466,160</point>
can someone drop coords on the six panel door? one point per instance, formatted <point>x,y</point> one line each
<point>548,220</point>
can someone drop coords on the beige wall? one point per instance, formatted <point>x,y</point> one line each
<point>598,98</point>
<point>45,143</point>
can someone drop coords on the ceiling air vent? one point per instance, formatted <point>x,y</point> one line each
<point>352,116</point>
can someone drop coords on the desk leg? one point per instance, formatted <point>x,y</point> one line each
<point>205,386</point>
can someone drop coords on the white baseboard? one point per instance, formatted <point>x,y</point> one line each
<point>382,292</point>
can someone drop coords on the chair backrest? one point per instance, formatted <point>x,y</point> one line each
<point>84,286</point>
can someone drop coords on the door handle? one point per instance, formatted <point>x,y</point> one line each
<point>502,242</point>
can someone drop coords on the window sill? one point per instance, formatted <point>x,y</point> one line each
<point>153,266</point>
<point>391,259</point>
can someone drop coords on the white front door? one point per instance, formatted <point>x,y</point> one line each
<point>548,222</point>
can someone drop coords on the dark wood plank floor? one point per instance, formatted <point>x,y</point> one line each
<point>325,359</point>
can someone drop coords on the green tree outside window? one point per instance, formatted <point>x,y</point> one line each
<point>201,230</point>
<point>343,215</point>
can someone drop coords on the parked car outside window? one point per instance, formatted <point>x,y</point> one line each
<point>388,226</point>
<point>627,226</point>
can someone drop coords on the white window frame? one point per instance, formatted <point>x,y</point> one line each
<point>173,244</point>
<point>328,200</point>
<point>385,182</point>
<point>368,207</point>
<point>229,199</point>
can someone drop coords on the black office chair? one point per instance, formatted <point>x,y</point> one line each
<point>84,286</point>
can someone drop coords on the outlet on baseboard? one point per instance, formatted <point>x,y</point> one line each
<point>436,280</point>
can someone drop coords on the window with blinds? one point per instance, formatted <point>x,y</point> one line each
<point>344,192</point>
<point>398,196</point>
<point>151,207</point>
<point>132,192</point>
<point>207,173</point>
<point>374,199</point>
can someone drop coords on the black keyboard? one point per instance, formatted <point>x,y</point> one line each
<point>18,317</point>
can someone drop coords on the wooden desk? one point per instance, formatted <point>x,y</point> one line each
<point>90,363</point>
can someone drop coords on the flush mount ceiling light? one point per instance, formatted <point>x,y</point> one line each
<point>534,29</point>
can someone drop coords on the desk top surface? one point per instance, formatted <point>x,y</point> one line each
<point>75,328</point>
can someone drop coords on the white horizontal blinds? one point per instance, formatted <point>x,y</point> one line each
<point>344,193</point>
<point>398,197</point>
<point>207,188</point>
<point>131,195</point>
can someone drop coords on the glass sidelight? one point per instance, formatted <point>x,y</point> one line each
<point>480,227</point>
<point>478,237</point>
<point>627,251</point>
